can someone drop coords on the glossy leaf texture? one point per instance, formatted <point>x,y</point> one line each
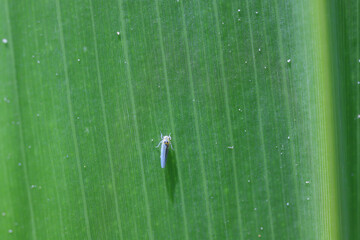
<point>261,99</point>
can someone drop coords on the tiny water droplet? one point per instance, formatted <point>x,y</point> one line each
<point>10,230</point>
<point>289,137</point>
<point>261,228</point>
<point>4,214</point>
<point>5,41</point>
<point>29,146</point>
<point>231,147</point>
<point>308,198</point>
<point>259,49</point>
<point>249,180</point>
<point>289,60</point>
<point>38,61</point>
<point>256,12</point>
<point>287,204</point>
<point>118,33</point>
<point>38,115</point>
<point>239,10</point>
<point>19,164</point>
<point>78,60</point>
<point>307,182</point>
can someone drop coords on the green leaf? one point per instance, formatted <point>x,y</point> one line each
<point>261,99</point>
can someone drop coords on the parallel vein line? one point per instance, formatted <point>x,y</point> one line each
<point>229,124</point>
<point>108,146</point>
<point>260,124</point>
<point>357,140</point>
<point>68,95</point>
<point>276,118</point>
<point>21,134</point>
<point>35,131</point>
<point>212,116</point>
<point>206,195</point>
<point>246,125</point>
<point>132,100</point>
<point>171,116</point>
<point>287,108</point>
<point>308,77</point>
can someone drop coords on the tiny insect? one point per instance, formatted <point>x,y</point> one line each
<point>165,143</point>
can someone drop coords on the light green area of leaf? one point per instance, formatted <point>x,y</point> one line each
<point>261,99</point>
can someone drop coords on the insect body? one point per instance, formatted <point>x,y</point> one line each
<point>165,143</point>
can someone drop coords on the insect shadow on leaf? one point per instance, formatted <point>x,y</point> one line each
<point>171,175</point>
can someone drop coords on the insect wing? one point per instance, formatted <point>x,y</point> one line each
<point>163,155</point>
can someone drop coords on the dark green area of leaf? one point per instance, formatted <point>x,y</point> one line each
<point>86,87</point>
